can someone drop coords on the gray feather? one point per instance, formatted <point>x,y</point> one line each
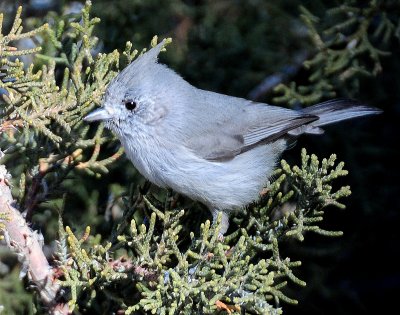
<point>245,125</point>
<point>271,132</point>
<point>216,148</point>
<point>237,125</point>
<point>339,109</point>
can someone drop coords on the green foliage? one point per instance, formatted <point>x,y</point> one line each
<point>349,44</point>
<point>3,217</point>
<point>42,109</point>
<point>151,261</point>
<point>42,106</point>
<point>176,272</point>
<point>301,207</point>
<point>14,298</point>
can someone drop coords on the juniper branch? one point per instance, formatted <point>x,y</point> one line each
<point>27,244</point>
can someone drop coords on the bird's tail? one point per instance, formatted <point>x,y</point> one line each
<point>331,112</point>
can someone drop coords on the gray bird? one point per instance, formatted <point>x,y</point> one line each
<point>214,148</point>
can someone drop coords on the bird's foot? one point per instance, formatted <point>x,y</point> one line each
<point>220,218</point>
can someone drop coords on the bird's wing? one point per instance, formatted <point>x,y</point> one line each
<point>213,147</point>
<point>275,129</point>
<point>235,136</point>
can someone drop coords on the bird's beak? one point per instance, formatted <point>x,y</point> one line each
<point>98,114</point>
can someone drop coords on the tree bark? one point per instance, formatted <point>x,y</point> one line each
<point>26,243</point>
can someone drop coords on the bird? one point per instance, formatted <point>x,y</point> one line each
<point>217,149</point>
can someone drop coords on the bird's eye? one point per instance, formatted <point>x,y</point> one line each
<point>130,105</point>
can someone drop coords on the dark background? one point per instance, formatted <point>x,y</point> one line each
<point>230,47</point>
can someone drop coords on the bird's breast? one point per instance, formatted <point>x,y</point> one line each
<point>151,158</point>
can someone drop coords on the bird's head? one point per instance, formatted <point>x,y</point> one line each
<point>137,98</point>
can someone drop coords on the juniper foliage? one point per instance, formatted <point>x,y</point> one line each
<point>151,261</point>
<point>350,43</point>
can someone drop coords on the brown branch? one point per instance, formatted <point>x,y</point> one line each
<point>270,82</point>
<point>25,242</point>
<point>46,165</point>
<point>32,198</point>
<point>125,264</point>
<point>11,124</point>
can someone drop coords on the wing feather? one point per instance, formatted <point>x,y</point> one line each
<point>239,125</point>
<point>219,145</point>
<point>271,132</point>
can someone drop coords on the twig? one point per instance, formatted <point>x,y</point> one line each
<point>33,197</point>
<point>25,242</point>
<point>271,81</point>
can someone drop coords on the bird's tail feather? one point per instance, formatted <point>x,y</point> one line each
<point>333,111</point>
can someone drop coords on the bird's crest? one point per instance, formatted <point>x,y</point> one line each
<point>141,63</point>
